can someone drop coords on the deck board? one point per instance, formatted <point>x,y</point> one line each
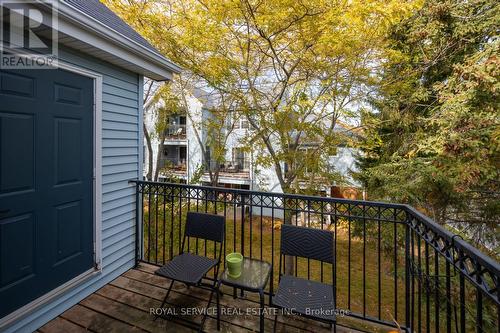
<point>143,272</point>
<point>61,325</point>
<point>96,321</point>
<point>144,275</point>
<point>124,306</point>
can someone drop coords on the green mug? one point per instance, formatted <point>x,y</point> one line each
<point>234,261</point>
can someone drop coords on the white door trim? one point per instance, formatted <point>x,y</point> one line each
<point>32,306</point>
<point>97,158</point>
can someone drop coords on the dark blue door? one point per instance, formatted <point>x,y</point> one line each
<point>46,167</point>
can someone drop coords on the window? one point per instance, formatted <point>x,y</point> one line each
<point>308,153</point>
<point>182,154</point>
<point>240,122</point>
<point>176,126</point>
<point>304,153</point>
<point>240,159</point>
<point>244,124</point>
<point>207,158</point>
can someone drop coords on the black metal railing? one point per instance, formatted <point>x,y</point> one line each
<point>237,165</point>
<point>394,266</point>
<point>176,131</point>
<point>173,163</point>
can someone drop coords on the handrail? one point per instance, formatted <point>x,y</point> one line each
<point>458,242</point>
<point>276,194</point>
<point>425,278</point>
<point>482,263</point>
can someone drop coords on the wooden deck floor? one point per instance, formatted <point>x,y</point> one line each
<point>124,306</point>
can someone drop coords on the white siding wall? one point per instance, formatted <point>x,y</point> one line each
<point>195,154</point>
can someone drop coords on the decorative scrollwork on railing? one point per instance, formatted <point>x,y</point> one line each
<point>481,271</point>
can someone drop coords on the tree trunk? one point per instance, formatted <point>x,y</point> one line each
<point>215,177</point>
<point>150,152</point>
<point>287,219</point>
<point>158,156</point>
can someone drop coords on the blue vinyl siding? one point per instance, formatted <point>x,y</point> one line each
<point>121,154</point>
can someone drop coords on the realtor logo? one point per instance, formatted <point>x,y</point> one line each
<point>28,34</point>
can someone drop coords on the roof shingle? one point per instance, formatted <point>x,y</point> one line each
<point>101,13</point>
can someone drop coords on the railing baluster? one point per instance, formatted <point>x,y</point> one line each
<point>261,226</point>
<point>462,291</point>
<point>215,199</point>
<point>272,251</point>
<point>295,211</point>
<point>364,263</point>
<point>250,218</point>
<point>225,231</point>
<point>149,224</point>
<point>206,192</point>
<point>412,263</point>
<point>498,306</point>
<point>379,264</point>
<point>419,284</point>
<point>198,200</point>
<point>436,292</point>
<point>180,220</point>
<point>448,296</point>
<point>322,227</point>
<point>348,258</point>
<point>188,209</point>
<point>479,311</point>
<point>156,225</point>
<point>427,289</point>
<point>308,225</point>
<point>242,225</point>
<point>138,217</point>
<point>164,207</point>
<point>395,265</point>
<point>408,320</point>
<point>242,201</point>
<point>334,277</point>
<point>463,278</point>
<point>171,224</point>
<point>233,200</point>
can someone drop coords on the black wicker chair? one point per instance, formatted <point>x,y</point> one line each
<point>190,268</point>
<point>311,299</point>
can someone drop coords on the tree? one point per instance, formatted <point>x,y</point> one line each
<point>161,102</point>
<point>148,96</point>
<point>294,68</point>
<point>209,124</point>
<point>211,127</point>
<point>433,141</point>
<point>218,127</point>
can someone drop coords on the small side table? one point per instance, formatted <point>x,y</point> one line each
<point>254,277</point>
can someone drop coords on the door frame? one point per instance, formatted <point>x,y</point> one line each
<point>45,299</point>
<point>97,156</point>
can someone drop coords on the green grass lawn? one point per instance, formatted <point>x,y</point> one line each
<point>165,239</point>
<point>261,239</point>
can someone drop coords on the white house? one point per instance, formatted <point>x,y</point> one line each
<point>183,155</point>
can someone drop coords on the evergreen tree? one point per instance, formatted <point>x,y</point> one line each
<point>433,140</point>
